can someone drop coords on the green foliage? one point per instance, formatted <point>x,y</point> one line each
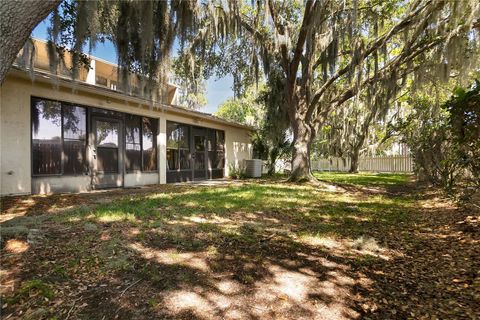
<point>276,129</point>
<point>191,93</point>
<point>345,52</point>
<point>245,109</point>
<point>143,33</point>
<point>237,110</point>
<point>425,133</point>
<point>237,171</point>
<point>358,129</point>
<point>263,107</point>
<point>464,126</point>
<point>444,139</point>
<point>315,56</point>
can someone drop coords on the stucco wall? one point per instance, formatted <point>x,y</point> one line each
<point>140,179</point>
<point>15,139</point>
<point>55,184</point>
<point>15,134</point>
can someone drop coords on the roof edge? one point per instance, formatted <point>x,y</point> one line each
<point>68,82</point>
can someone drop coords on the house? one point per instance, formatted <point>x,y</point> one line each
<point>64,135</point>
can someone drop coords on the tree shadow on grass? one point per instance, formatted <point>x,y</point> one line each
<point>238,277</point>
<point>252,252</point>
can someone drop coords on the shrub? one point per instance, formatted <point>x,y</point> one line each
<point>237,171</point>
<point>425,132</point>
<point>445,140</point>
<point>464,126</point>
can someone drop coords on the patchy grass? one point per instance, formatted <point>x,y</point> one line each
<point>32,287</point>
<point>364,178</point>
<point>248,250</point>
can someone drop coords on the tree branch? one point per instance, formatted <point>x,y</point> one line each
<point>385,73</point>
<point>280,30</point>
<point>377,43</point>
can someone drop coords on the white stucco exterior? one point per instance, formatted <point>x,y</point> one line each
<point>15,131</point>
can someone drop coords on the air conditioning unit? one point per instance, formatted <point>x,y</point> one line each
<point>253,168</point>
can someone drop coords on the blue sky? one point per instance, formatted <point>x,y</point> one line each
<point>217,90</point>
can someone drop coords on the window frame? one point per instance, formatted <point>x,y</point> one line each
<point>97,112</point>
<point>62,156</point>
<point>219,149</point>
<point>85,142</point>
<point>178,149</point>
<point>154,143</point>
<point>215,149</point>
<point>140,143</point>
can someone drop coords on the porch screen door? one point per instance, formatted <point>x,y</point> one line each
<point>199,153</point>
<point>107,153</point>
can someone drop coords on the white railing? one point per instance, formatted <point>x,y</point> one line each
<point>378,164</point>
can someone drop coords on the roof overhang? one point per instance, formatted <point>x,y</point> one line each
<point>45,77</point>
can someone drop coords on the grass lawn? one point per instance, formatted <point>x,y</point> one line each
<point>244,250</point>
<point>364,178</point>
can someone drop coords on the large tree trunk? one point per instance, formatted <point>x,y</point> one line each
<point>354,157</point>
<point>355,153</point>
<point>17,20</point>
<point>273,160</point>
<point>302,140</point>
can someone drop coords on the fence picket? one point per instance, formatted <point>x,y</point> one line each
<point>378,164</point>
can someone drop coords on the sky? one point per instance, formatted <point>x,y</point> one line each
<point>217,90</point>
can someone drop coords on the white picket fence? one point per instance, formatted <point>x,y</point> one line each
<point>376,164</point>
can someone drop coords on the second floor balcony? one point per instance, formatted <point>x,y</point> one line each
<point>97,72</point>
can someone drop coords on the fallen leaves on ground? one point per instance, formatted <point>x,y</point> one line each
<point>244,264</point>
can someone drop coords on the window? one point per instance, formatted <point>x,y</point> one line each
<point>219,162</point>
<point>58,128</point>
<point>102,81</point>
<point>47,137</point>
<point>184,159</point>
<point>178,146</point>
<point>74,139</point>
<point>107,113</point>
<point>220,141</point>
<point>172,159</point>
<point>59,139</point>
<point>133,152</point>
<point>211,140</point>
<point>199,149</point>
<point>107,134</point>
<point>140,143</point>
<point>211,147</point>
<point>172,146</point>
<point>149,144</point>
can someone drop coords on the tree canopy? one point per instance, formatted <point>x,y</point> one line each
<point>337,53</point>
<point>329,53</point>
<point>246,109</point>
